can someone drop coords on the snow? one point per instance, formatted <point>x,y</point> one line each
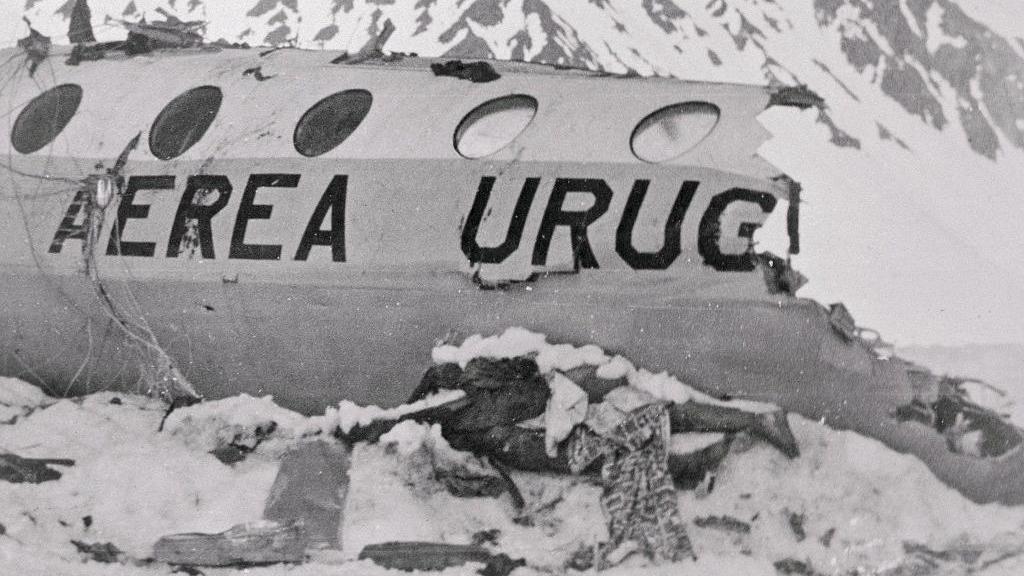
<point>861,505</point>
<point>516,341</point>
<point>18,398</point>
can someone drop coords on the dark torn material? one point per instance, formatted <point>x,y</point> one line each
<point>257,73</point>
<point>967,427</point>
<point>796,524</point>
<point>472,71</point>
<point>842,321</point>
<point>725,523</point>
<point>638,499</point>
<point>690,469</point>
<point>15,469</point>
<point>792,566</point>
<point>779,276</point>
<point>800,97</point>
<point>431,556</point>
<point>36,47</point>
<point>104,552</point>
<point>169,33</point>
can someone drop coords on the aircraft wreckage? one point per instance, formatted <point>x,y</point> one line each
<point>306,224</point>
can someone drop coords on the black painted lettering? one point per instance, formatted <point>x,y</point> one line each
<point>576,221</point>
<point>195,211</point>
<point>250,211</point>
<point>671,248</point>
<point>493,255</point>
<point>333,200</point>
<point>127,209</point>
<point>70,228</point>
<point>710,230</point>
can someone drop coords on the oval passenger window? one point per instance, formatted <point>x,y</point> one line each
<point>183,122</point>
<point>45,117</point>
<point>330,121</point>
<point>494,124</point>
<point>673,130</point>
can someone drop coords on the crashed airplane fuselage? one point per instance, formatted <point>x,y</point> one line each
<point>291,226</point>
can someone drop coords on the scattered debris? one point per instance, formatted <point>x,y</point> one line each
<point>104,552</point>
<point>430,556</point>
<point>229,454</point>
<point>257,73</point>
<point>790,566</point>
<point>489,536</point>
<point>36,47</point>
<point>374,50</point>
<point>310,487</point>
<point>15,469</point>
<point>842,321</point>
<point>779,276</point>
<point>968,428</point>
<point>796,524</point>
<point>263,542</point>
<point>725,523</point>
<point>472,71</point>
<point>169,33</point>
<point>466,483</point>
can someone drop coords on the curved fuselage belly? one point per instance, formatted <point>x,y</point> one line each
<point>311,346</point>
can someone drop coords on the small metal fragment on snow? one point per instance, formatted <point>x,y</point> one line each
<point>431,556</point>
<point>310,488</point>
<point>243,545</point>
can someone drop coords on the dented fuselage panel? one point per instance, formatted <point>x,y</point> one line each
<point>267,267</point>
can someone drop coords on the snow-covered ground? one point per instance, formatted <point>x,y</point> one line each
<point>847,505</point>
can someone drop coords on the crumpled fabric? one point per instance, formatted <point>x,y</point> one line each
<point>639,499</point>
<point>566,407</point>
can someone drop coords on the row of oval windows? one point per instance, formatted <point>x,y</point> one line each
<point>663,135</point>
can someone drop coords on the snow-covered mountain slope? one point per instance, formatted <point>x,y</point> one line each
<point>912,175</point>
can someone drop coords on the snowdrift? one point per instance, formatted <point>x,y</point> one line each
<point>848,505</point>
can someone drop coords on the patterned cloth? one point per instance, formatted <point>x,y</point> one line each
<point>639,499</point>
